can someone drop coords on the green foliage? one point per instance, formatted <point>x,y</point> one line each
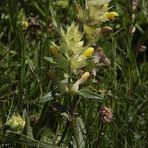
<point>57,85</point>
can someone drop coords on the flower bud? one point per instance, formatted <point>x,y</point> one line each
<point>85,76</point>
<point>111,15</point>
<point>106,115</point>
<point>75,86</point>
<point>97,32</point>
<point>106,30</point>
<point>134,5</point>
<point>88,52</point>
<point>142,48</point>
<point>98,55</point>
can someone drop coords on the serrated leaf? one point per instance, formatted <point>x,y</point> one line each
<point>87,93</point>
<point>32,142</point>
<point>81,132</point>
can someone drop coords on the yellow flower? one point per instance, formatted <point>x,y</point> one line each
<point>16,122</point>
<point>85,76</point>
<point>75,86</point>
<point>110,15</point>
<point>25,24</point>
<point>88,52</point>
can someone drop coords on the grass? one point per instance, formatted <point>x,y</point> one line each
<point>31,83</point>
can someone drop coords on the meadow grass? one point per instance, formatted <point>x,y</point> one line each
<point>31,83</point>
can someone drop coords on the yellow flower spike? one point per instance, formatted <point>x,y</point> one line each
<point>16,122</point>
<point>85,76</point>
<point>88,52</point>
<point>111,15</point>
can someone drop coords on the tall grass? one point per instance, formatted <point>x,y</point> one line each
<point>55,118</point>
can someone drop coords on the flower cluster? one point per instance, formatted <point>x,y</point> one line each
<point>96,13</point>
<point>106,115</point>
<point>72,49</point>
<point>16,122</point>
<point>72,55</point>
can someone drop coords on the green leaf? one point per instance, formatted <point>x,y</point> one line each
<point>47,97</point>
<point>87,93</point>
<point>35,143</point>
<point>50,59</point>
<point>52,76</point>
<point>35,4</point>
<point>81,132</point>
<point>125,144</point>
<point>58,57</point>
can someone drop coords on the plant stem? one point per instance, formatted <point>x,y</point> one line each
<point>64,133</point>
<point>69,122</point>
<point>99,136</point>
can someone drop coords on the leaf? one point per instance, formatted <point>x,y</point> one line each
<point>35,4</point>
<point>32,142</point>
<point>87,93</point>
<point>58,57</point>
<point>28,128</point>
<point>125,144</point>
<point>47,97</point>
<point>50,59</point>
<point>47,135</point>
<point>81,132</point>
<point>52,76</point>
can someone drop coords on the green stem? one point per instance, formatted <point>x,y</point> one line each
<point>69,77</point>
<point>99,136</point>
<point>64,133</point>
<point>69,123</point>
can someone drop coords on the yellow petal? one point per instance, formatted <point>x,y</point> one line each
<point>75,86</point>
<point>88,52</point>
<point>85,76</point>
<point>111,15</point>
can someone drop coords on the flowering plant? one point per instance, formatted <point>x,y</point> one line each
<point>76,57</point>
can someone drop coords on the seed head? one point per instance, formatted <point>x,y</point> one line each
<point>106,115</point>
